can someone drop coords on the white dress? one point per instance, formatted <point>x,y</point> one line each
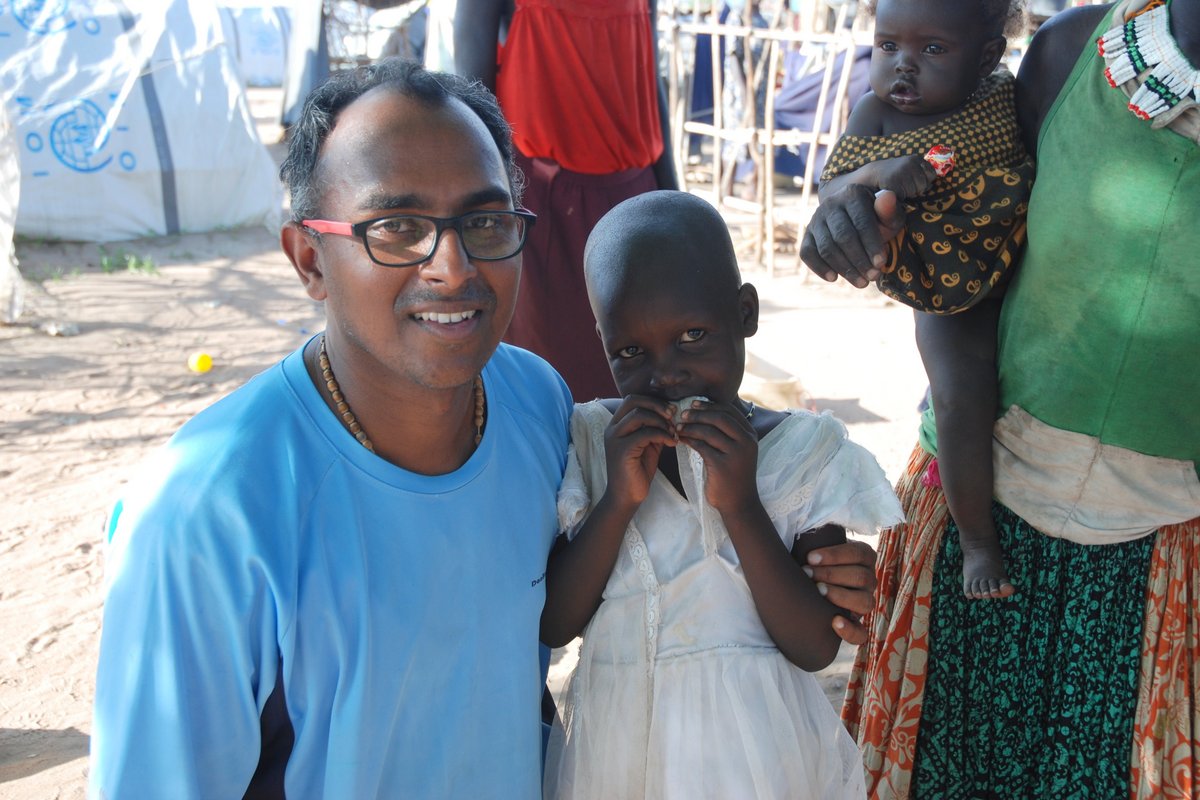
<point>679,691</point>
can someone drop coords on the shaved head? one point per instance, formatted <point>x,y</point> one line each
<point>657,240</point>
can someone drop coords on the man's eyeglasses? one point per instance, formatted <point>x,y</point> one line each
<point>405,240</point>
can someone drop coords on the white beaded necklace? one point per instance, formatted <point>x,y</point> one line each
<point>1144,44</point>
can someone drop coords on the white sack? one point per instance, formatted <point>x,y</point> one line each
<point>258,37</point>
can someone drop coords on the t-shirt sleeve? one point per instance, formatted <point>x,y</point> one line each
<point>182,674</point>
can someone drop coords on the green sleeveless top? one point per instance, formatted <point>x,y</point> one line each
<point>1100,331</point>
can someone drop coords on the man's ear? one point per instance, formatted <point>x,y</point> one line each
<point>989,57</point>
<point>302,252</point>
<point>748,307</point>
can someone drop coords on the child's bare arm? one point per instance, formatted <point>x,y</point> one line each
<point>907,176</point>
<point>798,619</point>
<point>578,569</point>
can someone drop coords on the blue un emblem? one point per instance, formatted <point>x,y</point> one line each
<point>78,136</point>
<point>42,16</point>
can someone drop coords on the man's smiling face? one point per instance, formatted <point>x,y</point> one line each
<point>437,323</point>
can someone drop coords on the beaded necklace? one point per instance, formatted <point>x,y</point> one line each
<point>351,421</point>
<point>1144,44</point>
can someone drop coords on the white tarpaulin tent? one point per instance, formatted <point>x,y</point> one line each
<point>258,35</point>
<point>12,290</point>
<point>131,121</point>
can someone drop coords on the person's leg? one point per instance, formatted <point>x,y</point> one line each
<point>959,353</point>
<point>307,59</point>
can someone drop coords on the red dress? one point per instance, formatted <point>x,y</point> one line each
<point>577,81</point>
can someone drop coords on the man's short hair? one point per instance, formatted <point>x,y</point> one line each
<point>435,89</point>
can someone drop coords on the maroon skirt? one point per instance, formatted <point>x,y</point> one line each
<point>553,317</point>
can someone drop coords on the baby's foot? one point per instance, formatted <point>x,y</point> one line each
<point>984,576</point>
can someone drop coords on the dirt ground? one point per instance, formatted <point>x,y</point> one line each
<point>96,375</point>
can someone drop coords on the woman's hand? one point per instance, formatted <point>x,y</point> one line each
<point>847,574</point>
<point>848,234</point>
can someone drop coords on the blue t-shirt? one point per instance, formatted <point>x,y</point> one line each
<point>398,612</point>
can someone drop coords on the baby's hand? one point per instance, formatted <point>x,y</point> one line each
<point>724,438</point>
<point>907,176</point>
<point>640,428</point>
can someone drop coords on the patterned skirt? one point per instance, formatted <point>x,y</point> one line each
<point>1084,685</point>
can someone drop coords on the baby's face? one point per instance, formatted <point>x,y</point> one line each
<point>928,56</point>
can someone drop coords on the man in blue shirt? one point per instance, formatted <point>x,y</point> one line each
<point>329,583</point>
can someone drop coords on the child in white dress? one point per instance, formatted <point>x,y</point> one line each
<point>687,514</point>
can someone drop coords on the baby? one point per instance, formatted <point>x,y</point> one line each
<point>939,129</point>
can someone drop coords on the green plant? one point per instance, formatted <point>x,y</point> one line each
<point>53,273</point>
<point>129,262</point>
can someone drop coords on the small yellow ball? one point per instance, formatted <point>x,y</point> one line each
<point>199,362</point>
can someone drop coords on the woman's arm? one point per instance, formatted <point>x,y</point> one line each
<point>476,34</point>
<point>848,232</point>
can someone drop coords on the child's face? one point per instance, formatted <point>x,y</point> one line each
<point>929,54</point>
<point>677,340</point>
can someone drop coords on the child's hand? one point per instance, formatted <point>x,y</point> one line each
<point>724,438</point>
<point>640,428</point>
<point>907,176</point>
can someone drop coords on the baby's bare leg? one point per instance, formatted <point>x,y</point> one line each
<point>984,575</point>
<point>959,355</point>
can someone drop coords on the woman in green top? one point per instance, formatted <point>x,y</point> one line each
<point>1085,683</point>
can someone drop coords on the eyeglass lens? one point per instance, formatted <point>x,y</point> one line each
<point>405,240</point>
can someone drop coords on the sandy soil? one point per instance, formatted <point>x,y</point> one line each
<point>79,411</point>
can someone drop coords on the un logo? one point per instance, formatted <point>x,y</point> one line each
<point>78,135</point>
<point>42,16</point>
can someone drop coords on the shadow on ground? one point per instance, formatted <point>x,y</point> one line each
<point>28,752</point>
<point>848,409</point>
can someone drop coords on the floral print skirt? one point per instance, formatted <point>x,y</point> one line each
<point>1085,684</point>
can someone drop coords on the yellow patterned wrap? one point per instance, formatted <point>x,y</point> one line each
<point>963,235</point>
